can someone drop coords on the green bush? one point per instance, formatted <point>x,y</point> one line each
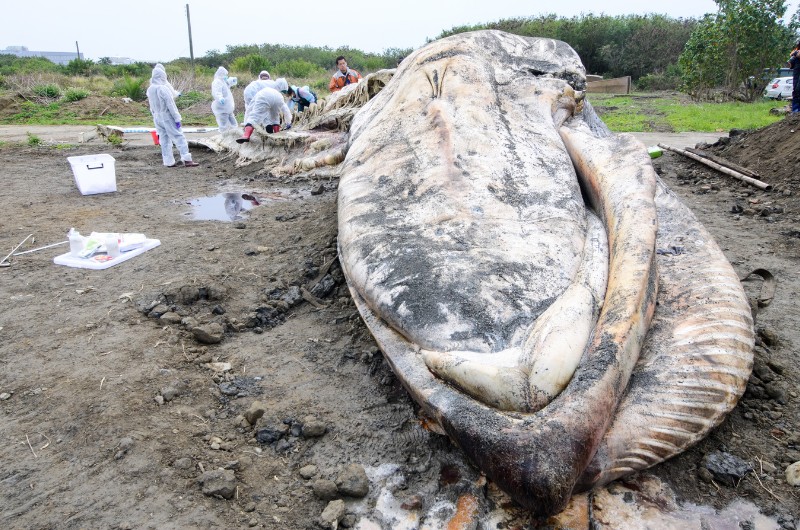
<point>320,84</point>
<point>81,67</point>
<point>296,68</point>
<point>33,140</point>
<point>252,63</point>
<point>49,91</point>
<point>670,79</point>
<point>11,64</point>
<point>75,94</point>
<point>130,87</point>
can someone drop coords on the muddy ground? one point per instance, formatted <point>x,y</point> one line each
<point>114,414</point>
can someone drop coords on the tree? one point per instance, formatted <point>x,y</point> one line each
<point>732,48</point>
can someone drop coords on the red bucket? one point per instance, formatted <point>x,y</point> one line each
<point>154,134</point>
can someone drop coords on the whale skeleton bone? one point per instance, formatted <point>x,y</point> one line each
<point>472,258</point>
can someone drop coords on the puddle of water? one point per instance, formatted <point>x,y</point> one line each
<point>230,206</point>
<point>224,207</point>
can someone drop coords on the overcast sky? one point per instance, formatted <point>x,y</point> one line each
<point>149,30</point>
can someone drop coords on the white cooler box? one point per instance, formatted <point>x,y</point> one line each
<point>94,173</point>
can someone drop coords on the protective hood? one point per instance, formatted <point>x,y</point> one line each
<point>159,66</point>
<point>159,77</point>
<point>264,73</point>
<point>281,85</point>
<point>220,73</point>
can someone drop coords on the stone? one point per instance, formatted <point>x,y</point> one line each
<point>268,435</point>
<point>209,333</point>
<point>793,474</point>
<point>776,367</point>
<point>776,392</point>
<point>184,463</point>
<point>171,391</point>
<point>727,469</point>
<point>255,411</point>
<point>348,521</point>
<point>324,287</point>
<point>159,400</point>
<point>158,311</point>
<point>313,428</point>
<point>171,317</point>
<point>324,489</point>
<point>763,372</point>
<point>219,482</point>
<point>308,472</point>
<point>332,514</point>
<point>353,481</point>
<point>4,396</point>
<point>250,507</point>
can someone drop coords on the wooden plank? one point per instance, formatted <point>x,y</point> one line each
<point>619,85</point>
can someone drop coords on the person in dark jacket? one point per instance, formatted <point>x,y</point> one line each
<point>794,64</point>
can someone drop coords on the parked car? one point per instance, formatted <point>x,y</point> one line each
<point>779,88</point>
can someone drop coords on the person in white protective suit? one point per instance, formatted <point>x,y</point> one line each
<point>175,93</point>
<point>222,106</point>
<point>167,120</point>
<point>252,89</point>
<point>266,110</point>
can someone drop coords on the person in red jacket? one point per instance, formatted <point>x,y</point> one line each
<point>343,76</point>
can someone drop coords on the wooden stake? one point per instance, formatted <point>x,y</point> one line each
<point>735,174</point>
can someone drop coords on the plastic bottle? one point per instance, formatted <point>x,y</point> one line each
<point>75,242</point>
<point>112,246</point>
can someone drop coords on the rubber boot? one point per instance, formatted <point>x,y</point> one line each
<point>248,130</point>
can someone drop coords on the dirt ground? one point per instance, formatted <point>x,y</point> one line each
<point>115,415</point>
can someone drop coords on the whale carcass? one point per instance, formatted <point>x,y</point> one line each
<point>501,245</point>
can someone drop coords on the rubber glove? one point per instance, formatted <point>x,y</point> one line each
<point>178,124</point>
<point>221,101</point>
<point>287,127</point>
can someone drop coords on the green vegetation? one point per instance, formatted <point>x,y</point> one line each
<point>75,94</point>
<point>187,99</point>
<point>131,87</point>
<point>33,140</point>
<point>672,112</point>
<point>48,91</point>
<point>731,48</point>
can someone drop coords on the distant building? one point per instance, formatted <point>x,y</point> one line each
<point>120,60</point>
<point>56,57</point>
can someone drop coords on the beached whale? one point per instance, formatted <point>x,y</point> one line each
<point>501,245</point>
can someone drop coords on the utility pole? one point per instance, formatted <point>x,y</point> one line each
<point>79,50</point>
<point>191,49</point>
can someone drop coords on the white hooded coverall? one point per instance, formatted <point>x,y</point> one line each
<point>222,106</point>
<point>267,107</point>
<point>252,89</point>
<point>166,117</point>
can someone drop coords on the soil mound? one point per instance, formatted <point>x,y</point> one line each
<point>772,151</point>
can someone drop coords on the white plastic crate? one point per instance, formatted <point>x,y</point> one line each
<point>94,173</point>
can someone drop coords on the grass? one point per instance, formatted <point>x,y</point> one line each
<point>673,112</point>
